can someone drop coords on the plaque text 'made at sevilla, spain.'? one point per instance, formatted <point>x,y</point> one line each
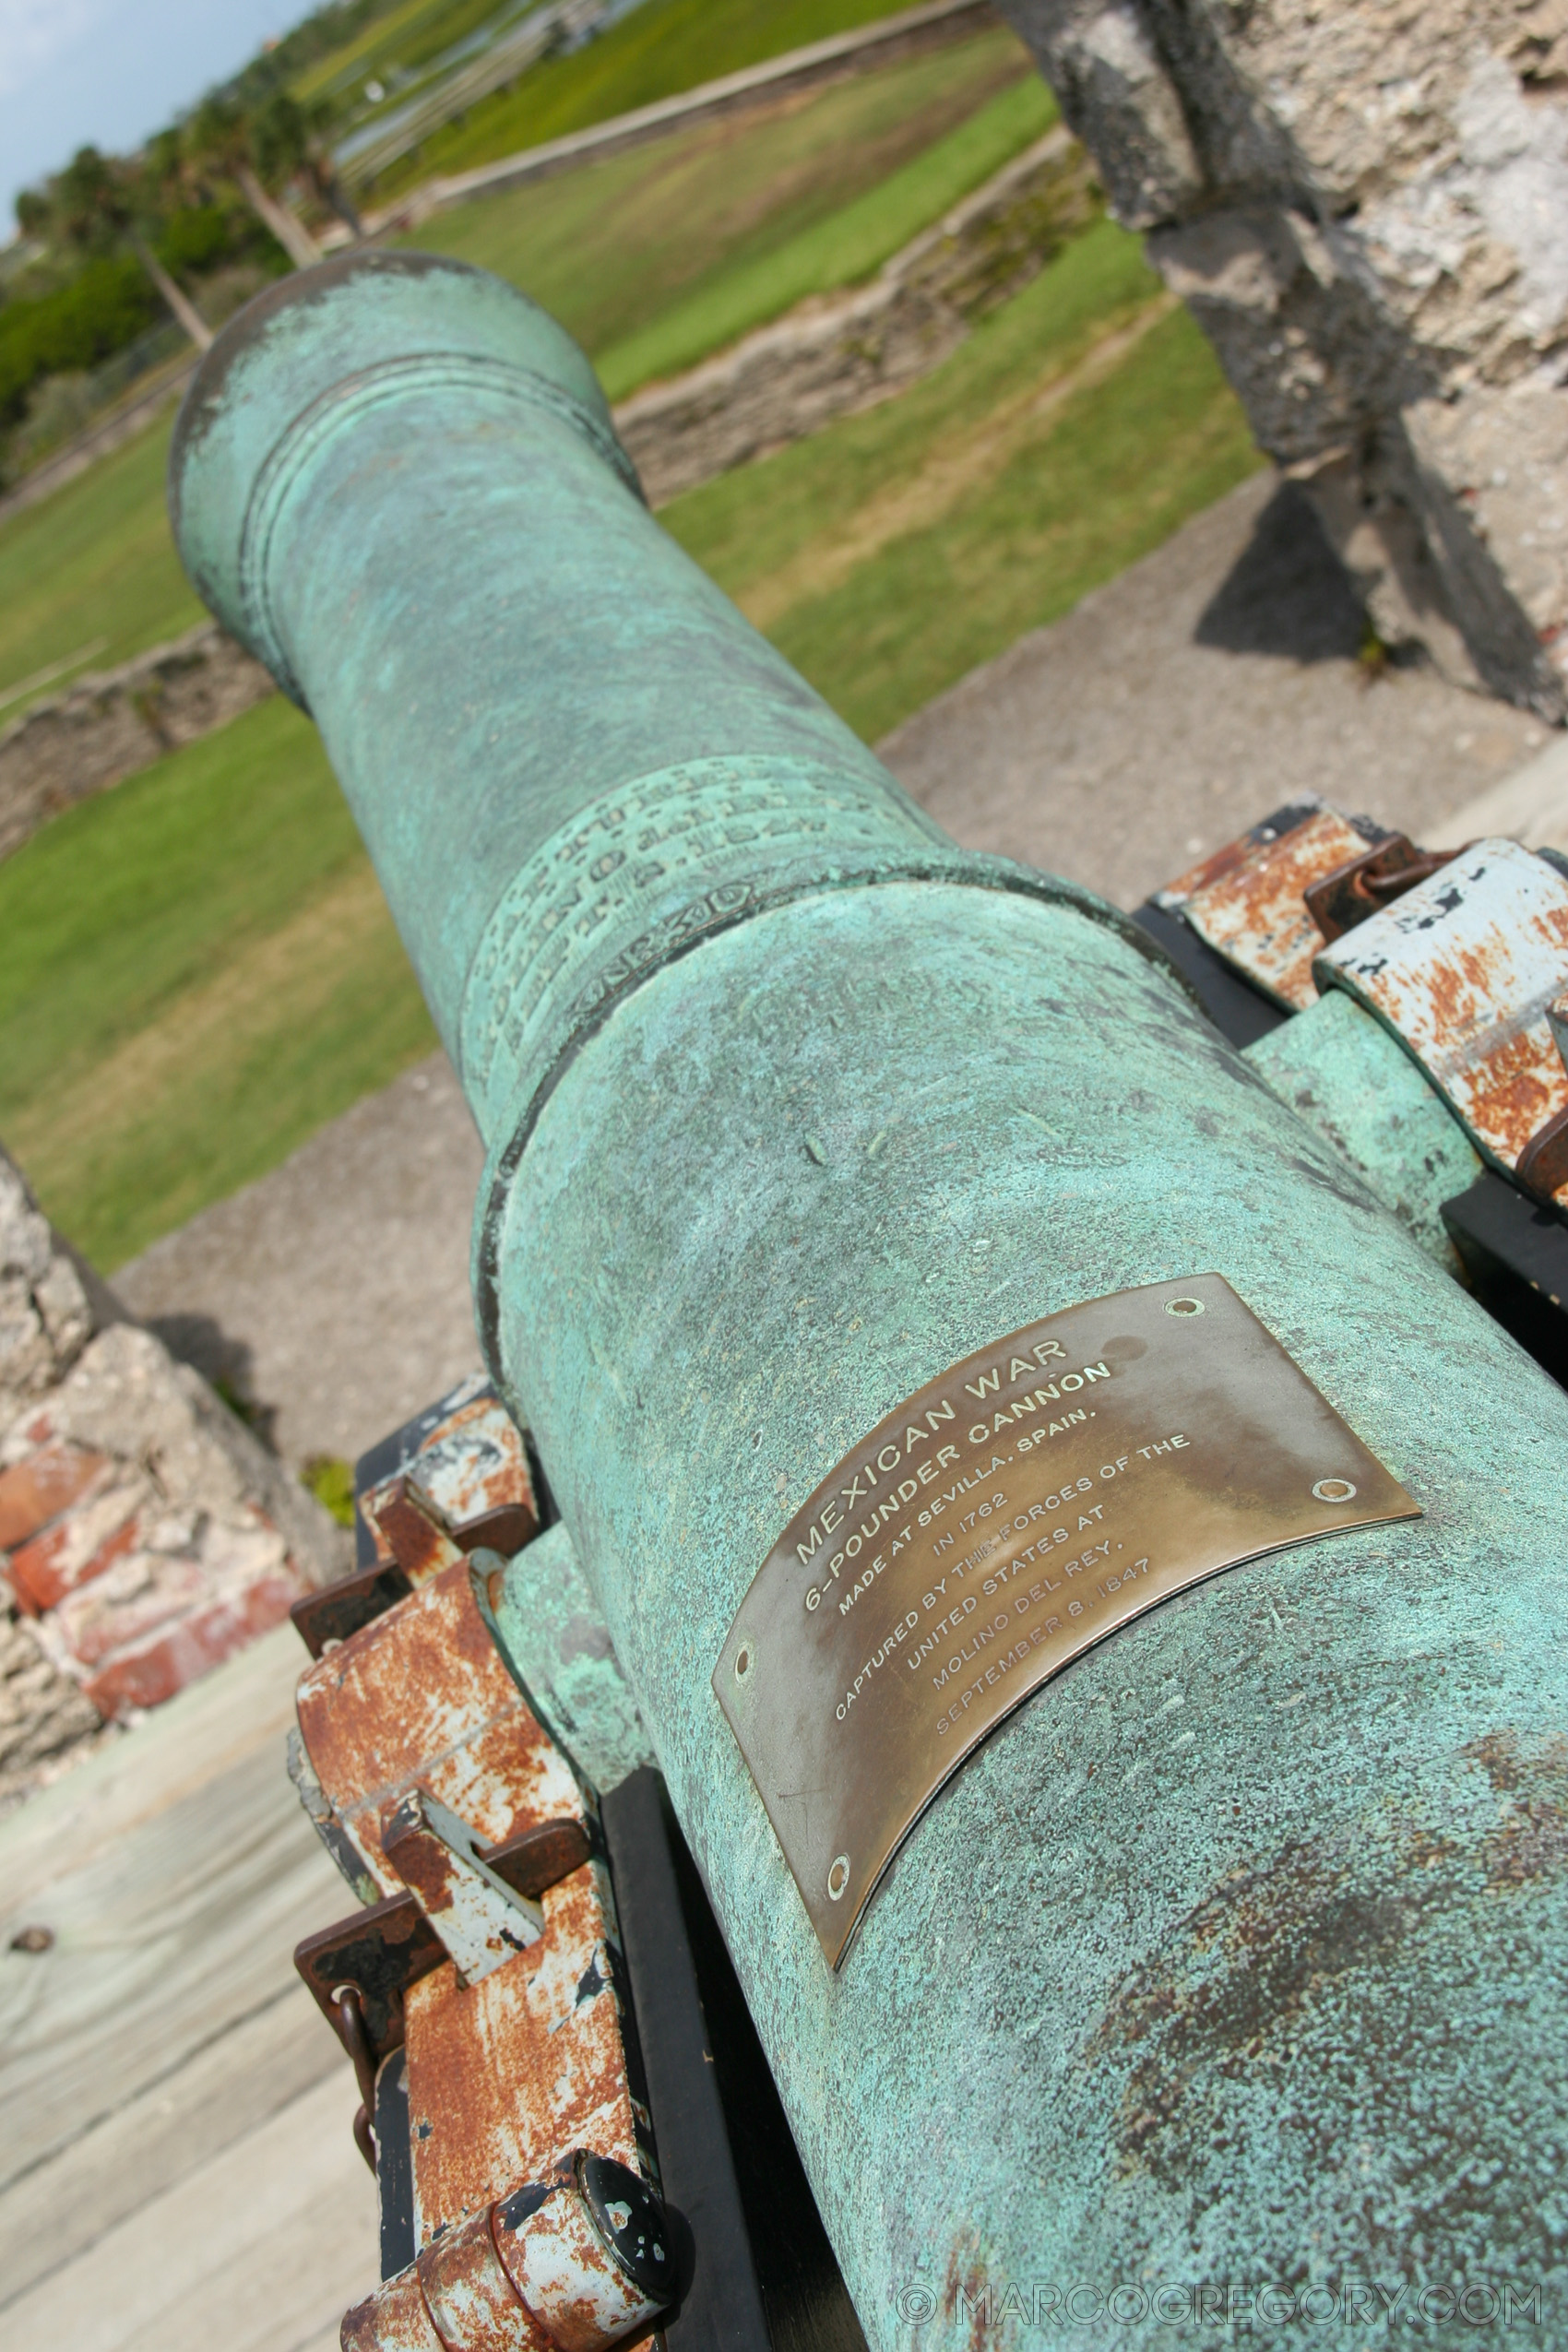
<point>994,1526</point>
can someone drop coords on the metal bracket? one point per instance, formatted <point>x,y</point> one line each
<point>383,1949</point>
<point>1248,902</point>
<point>481,1919</point>
<point>1463,969</point>
<point>1353,893</point>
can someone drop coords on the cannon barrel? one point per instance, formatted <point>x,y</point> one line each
<point>1233,1956</point>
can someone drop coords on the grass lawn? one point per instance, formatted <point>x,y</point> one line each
<point>661,48</point>
<point>406,37</point>
<point>199,970</point>
<point>656,258</point>
<point>652,259</point>
<point>88,576</point>
<point>1074,430</point>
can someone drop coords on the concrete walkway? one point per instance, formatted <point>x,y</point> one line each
<point>335,1292</point>
<point>1175,706</point>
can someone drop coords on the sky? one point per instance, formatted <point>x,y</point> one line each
<point>110,72</point>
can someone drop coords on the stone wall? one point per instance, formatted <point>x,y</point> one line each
<point>145,1533</point>
<point>832,356</point>
<point>104,728</point>
<point>1365,204</point>
<point>824,360</point>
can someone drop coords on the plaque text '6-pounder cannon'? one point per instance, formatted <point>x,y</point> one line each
<point>994,1526</point>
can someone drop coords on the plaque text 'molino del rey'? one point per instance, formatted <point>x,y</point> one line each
<point>992,1527</point>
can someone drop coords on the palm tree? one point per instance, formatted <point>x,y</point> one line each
<point>92,203</point>
<point>288,141</point>
<point>223,140</point>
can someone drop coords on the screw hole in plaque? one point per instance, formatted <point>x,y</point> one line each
<point>742,1661</point>
<point>838,1877</point>
<point>1334,1490</point>
<point>1184,1306</point>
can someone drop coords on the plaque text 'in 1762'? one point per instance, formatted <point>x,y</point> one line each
<point>994,1526</point>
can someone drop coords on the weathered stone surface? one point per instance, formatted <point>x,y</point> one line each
<point>44,1717</point>
<point>104,728</point>
<point>46,1314</point>
<point>127,1397</point>
<point>832,356</point>
<point>1366,205</point>
<point>145,1533</point>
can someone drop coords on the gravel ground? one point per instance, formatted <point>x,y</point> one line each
<point>1172,709</point>
<point>1165,714</point>
<point>333,1295</point>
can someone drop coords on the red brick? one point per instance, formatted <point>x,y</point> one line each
<point>163,1661</point>
<point>37,1490</point>
<point>146,1591</point>
<point>78,1548</point>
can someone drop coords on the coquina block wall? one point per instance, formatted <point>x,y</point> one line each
<point>145,1533</point>
<point>1365,203</point>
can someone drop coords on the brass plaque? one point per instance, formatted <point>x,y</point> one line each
<point>1006,1517</point>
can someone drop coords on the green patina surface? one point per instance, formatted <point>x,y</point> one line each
<point>1234,1957</point>
<point>1351,1079</point>
<point>546,1621</point>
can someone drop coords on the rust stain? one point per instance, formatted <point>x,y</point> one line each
<point>1530,1840</point>
<point>509,2076</point>
<point>421,1694</point>
<point>1276,1935</point>
<point>1463,969</point>
<point>965,2270</point>
<point>406,1530</point>
<point>1255,914</point>
<point>469,2295</point>
<point>1237,1982</point>
<point>1456,998</point>
<point>392,2320</point>
<point>1221,863</point>
<point>475,1467</point>
<point>1517,1089</point>
<point>469,1484</point>
<point>424,1864</point>
<point>560,2262</point>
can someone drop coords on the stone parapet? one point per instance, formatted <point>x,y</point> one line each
<point>105,727</point>
<point>1365,207</point>
<point>145,1533</point>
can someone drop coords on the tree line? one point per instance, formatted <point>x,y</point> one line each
<point>111,244</point>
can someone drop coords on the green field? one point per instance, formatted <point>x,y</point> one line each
<point>656,258</point>
<point>90,576</point>
<point>199,967</point>
<point>199,970</point>
<point>652,259</point>
<point>663,47</point>
<point>406,37</point>
<point>1074,430</point>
